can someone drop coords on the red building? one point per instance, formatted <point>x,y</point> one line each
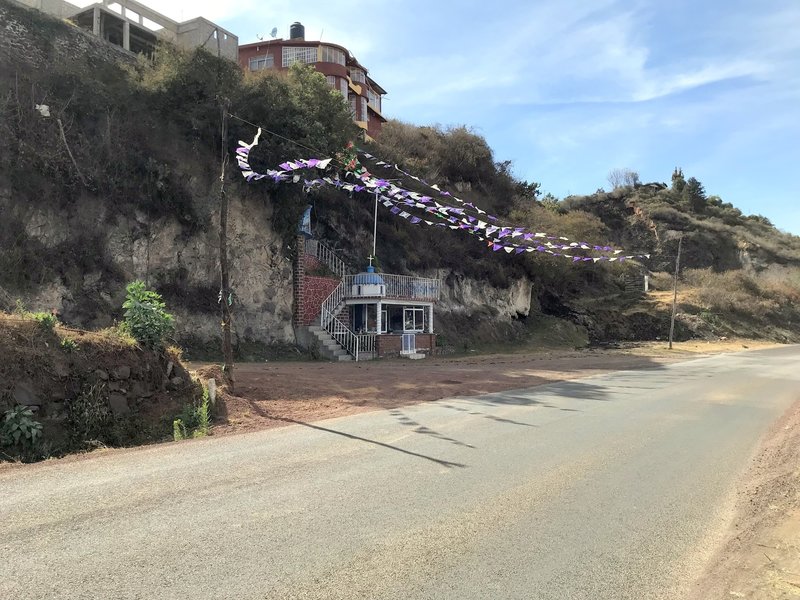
<point>343,72</point>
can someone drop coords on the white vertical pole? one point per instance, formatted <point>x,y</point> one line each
<point>430,319</point>
<point>375,226</point>
<point>378,322</point>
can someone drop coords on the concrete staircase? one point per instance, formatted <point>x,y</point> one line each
<point>328,347</point>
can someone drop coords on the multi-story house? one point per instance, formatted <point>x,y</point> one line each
<point>136,28</point>
<point>343,72</point>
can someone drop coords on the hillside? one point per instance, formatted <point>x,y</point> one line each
<point>120,183</point>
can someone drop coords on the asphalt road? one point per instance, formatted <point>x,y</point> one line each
<point>614,486</point>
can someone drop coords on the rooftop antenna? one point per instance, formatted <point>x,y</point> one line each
<point>259,37</point>
<point>274,32</point>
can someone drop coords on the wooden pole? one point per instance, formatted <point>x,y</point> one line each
<point>226,297</point>
<point>675,293</point>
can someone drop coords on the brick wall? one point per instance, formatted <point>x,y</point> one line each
<point>310,291</point>
<point>310,263</point>
<point>314,292</point>
<point>391,345</point>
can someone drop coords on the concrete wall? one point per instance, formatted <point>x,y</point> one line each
<point>203,33</point>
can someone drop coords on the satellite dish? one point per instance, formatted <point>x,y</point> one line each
<point>259,37</point>
<point>274,32</point>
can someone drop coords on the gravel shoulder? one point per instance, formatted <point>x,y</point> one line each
<point>760,556</point>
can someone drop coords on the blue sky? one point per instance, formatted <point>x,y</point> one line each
<point>571,90</point>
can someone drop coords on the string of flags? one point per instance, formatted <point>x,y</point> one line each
<point>432,210</point>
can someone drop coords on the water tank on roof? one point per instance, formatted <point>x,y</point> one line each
<point>297,31</point>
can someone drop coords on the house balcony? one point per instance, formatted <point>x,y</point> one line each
<point>384,286</point>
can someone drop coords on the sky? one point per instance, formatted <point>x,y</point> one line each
<point>569,91</point>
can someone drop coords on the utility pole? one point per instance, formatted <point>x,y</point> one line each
<point>375,226</point>
<point>675,292</point>
<point>225,294</point>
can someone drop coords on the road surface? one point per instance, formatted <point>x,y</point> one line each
<point>614,486</point>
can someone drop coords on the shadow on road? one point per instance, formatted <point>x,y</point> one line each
<point>409,422</point>
<point>438,461</point>
<point>485,416</point>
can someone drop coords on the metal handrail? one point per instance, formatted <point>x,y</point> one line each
<point>353,344</point>
<point>326,256</point>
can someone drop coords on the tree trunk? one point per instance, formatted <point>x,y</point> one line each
<point>226,296</point>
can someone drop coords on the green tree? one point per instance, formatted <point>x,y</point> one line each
<point>678,182</point>
<point>694,195</point>
<point>146,318</point>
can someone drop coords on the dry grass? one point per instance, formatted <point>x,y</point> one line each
<point>740,292</point>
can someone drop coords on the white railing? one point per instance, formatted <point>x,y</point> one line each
<point>402,287</point>
<point>331,304</point>
<point>366,343</point>
<point>354,344</point>
<point>326,256</point>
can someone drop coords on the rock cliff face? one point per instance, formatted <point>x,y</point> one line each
<point>462,295</point>
<point>161,252</point>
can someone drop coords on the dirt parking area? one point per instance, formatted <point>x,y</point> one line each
<point>273,394</point>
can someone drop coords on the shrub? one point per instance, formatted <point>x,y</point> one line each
<point>69,345</point>
<point>194,420</point>
<point>19,431</point>
<point>146,318</point>
<point>88,415</point>
<point>47,321</point>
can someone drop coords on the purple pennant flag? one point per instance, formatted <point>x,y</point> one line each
<point>395,210</point>
<point>496,247</point>
<point>587,259</point>
<point>576,258</point>
<point>471,219</point>
<point>491,218</point>
<point>541,248</point>
<point>284,166</point>
<point>520,250</point>
<point>415,220</point>
<point>527,237</point>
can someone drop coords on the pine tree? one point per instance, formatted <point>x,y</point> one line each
<point>694,195</point>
